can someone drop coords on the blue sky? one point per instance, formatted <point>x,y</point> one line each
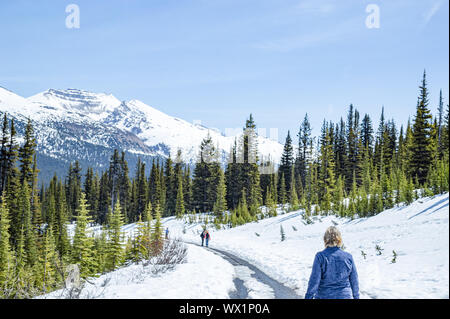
<point>218,60</point>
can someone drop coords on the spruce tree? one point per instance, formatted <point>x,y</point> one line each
<point>4,153</point>
<point>115,238</point>
<point>304,137</point>
<point>26,154</point>
<point>220,206</point>
<point>293,198</point>
<point>179,207</point>
<point>421,143</point>
<point>6,255</point>
<point>287,161</point>
<point>282,192</point>
<point>157,241</point>
<point>82,252</point>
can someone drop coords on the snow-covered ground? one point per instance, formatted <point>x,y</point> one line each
<point>203,276</point>
<point>419,234</point>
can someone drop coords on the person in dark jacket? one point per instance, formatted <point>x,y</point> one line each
<point>207,237</point>
<point>334,274</point>
<point>202,236</point>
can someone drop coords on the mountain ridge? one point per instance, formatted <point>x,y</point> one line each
<point>75,124</point>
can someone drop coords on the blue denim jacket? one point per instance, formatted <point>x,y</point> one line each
<point>333,276</point>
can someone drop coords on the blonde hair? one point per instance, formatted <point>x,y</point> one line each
<point>332,237</point>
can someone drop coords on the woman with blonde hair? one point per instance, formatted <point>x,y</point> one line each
<point>334,274</point>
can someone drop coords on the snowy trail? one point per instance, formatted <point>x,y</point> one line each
<point>250,281</point>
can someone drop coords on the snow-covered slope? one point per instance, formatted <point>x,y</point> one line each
<point>79,125</point>
<point>418,233</point>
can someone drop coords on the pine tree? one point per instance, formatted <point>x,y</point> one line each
<point>137,250</point>
<point>82,252</point>
<point>301,161</point>
<point>171,192</point>
<point>271,206</point>
<point>367,135</point>
<point>6,255</point>
<point>141,188</point>
<point>147,232</point>
<point>420,147</point>
<point>220,206</point>
<point>47,262</point>
<point>327,168</point>
<point>31,246</point>
<point>62,237</point>
<point>157,240</point>
<point>115,238</point>
<point>26,153</point>
<point>293,198</point>
<point>206,177</point>
<point>179,207</point>
<point>282,192</point>
<point>287,161</point>
<point>73,188</point>
<point>4,154</point>
<point>232,177</point>
<point>441,127</point>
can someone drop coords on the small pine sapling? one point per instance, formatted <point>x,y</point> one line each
<point>379,250</point>
<point>394,258</point>
<point>363,254</point>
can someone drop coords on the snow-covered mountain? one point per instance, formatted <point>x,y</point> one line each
<point>74,124</point>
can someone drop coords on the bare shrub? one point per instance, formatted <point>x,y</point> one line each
<point>174,252</point>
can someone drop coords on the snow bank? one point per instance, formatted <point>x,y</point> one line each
<point>419,234</point>
<point>203,276</point>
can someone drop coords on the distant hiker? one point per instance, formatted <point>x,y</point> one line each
<point>202,236</point>
<point>334,274</point>
<point>207,237</point>
<point>167,233</point>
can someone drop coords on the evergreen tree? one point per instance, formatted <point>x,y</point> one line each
<point>293,197</point>
<point>220,206</point>
<point>440,125</point>
<point>73,187</point>
<point>157,240</point>
<point>115,246</point>
<point>282,192</point>
<point>4,154</point>
<point>6,255</point>
<point>421,143</point>
<point>26,154</point>
<point>304,137</point>
<point>287,161</point>
<point>82,252</point>
<point>47,263</point>
<point>179,208</point>
<point>206,177</point>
